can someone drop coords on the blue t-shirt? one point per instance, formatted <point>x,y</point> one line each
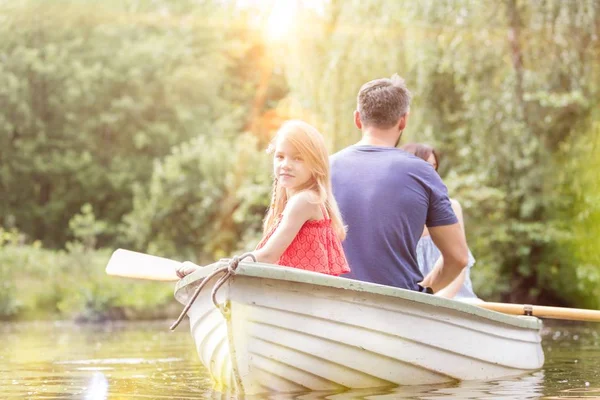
<point>385,196</point>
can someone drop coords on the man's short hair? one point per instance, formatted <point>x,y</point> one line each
<point>382,102</point>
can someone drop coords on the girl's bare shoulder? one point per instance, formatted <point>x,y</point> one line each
<point>305,201</point>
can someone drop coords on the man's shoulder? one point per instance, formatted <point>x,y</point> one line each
<point>416,162</point>
<point>381,157</point>
<point>381,152</point>
<point>342,153</point>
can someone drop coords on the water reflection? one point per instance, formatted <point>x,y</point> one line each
<point>97,389</point>
<point>145,360</point>
<point>122,360</point>
<point>528,386</point>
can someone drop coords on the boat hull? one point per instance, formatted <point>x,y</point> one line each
<point>282,330</point>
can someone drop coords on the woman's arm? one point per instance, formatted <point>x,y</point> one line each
<point>456,207</point>
<point>454,287</point>
<point>298,210</point>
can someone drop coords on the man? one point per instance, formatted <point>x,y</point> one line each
<point>387,196</point>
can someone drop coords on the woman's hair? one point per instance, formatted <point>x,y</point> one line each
<point>309,142</point>
<point>422,151</point>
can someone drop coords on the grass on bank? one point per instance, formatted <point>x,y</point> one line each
<point>38,283</point>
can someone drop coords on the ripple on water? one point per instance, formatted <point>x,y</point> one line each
<point>123,361</point>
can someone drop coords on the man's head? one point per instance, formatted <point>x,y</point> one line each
<point>383,104</point>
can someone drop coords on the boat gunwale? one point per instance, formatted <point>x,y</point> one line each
<point>276,272</point>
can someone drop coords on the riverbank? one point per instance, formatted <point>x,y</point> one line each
<point>42,284</point>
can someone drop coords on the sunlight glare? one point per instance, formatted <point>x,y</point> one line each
<point>281,19</point>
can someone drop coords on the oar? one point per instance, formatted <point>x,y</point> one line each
<point>574,314</point>
<point>131,264</point>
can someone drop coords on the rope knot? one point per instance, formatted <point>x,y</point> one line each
<point>235,261</point>
<point>233,264</point>
<point>227,272</point>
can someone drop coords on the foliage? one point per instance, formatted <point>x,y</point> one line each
<point>204,201</point>
<point>142,124</point>
<point>92,94</point>
<point>40,283</point>
<point>499,88</point>
<point>580,180</point>
<point>9,305</point>
<point>507,114</point>
<point>86,228</point>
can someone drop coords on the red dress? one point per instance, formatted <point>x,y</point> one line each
<point>316,247</point>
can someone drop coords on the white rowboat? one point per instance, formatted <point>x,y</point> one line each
<point>281,329</point>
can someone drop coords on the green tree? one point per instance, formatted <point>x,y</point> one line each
<point>92,94</point>
<point>499,87</point>
<point>205,201</point>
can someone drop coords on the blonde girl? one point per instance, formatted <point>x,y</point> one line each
<point>303,227</point>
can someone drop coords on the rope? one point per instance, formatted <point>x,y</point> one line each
<point>228,270</point>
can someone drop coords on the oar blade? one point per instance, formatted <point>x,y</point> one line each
<point>131,264</point>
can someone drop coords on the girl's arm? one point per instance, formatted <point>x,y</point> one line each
<point>298,210</point>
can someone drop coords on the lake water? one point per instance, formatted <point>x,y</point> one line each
<point>47,360</point>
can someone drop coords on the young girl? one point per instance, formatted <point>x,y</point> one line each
<point>303,227</point>
<point>428,255</point>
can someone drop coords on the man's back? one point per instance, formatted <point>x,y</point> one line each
<point>386,196</point>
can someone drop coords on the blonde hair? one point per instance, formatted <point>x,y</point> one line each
<point>309,142</point>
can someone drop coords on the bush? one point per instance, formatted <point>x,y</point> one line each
<point>47,284</point>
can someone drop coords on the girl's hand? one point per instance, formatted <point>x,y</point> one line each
<point>186,268</point>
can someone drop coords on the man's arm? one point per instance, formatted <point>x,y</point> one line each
<point>454,287</point>
<point>450,240</point>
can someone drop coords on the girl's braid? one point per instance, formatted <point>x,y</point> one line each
<point>274,195</point>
